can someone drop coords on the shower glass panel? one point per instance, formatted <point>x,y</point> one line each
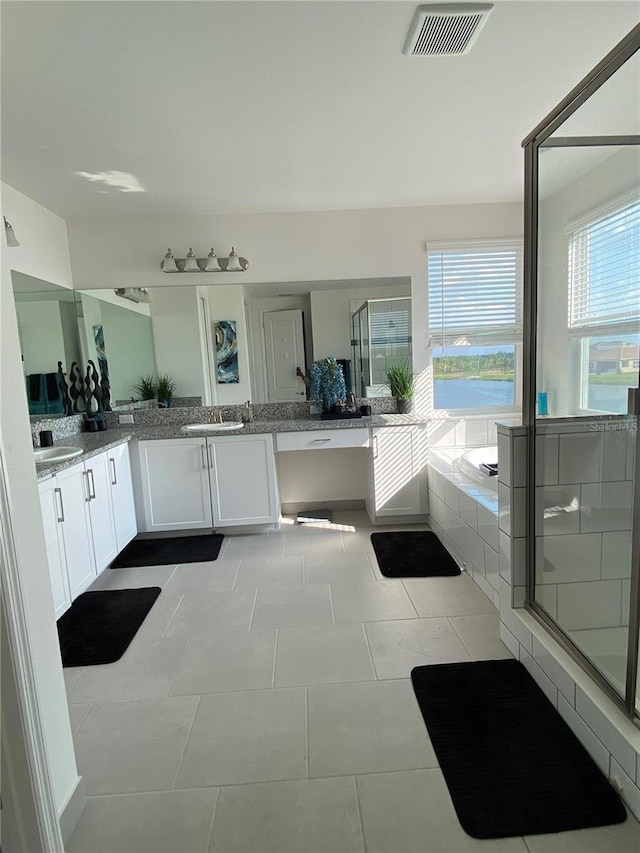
<point>583,412</point>
<point>381,336</point>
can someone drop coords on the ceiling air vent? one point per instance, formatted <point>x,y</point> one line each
<point>447,29</point>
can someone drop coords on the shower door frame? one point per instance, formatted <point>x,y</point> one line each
<point>623,51</point>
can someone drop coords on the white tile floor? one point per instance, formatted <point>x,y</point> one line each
<point>266,705</point>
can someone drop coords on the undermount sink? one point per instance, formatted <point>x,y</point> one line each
<point>225,426</point>
<point>47,455</point>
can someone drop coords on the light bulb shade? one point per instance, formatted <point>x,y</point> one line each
<point>233,263</point>
<point>11,238</point>
<point>191,263</point>
<point>212,262</point>
<point>169,263</point>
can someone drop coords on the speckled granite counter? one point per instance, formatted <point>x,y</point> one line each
<point>93,443</point>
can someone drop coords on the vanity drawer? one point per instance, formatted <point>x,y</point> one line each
<point>323,439</point>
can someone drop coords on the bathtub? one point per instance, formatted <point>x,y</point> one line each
<point>470,462</point>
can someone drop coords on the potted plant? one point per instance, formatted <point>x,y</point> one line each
<point>166,387</point>
<point>145,387</point>
<point>327,385</point>
<point>400,383</point>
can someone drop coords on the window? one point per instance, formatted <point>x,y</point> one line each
<point>475,323</point>
<point>604,303</point>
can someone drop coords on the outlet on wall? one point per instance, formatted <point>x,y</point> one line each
<point>125,419</point>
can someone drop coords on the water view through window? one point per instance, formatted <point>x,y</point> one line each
<point>474,377</point>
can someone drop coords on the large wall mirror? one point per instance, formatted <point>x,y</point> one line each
<point>220,345</point>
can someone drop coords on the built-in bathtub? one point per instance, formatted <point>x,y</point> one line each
<point>469,465</point>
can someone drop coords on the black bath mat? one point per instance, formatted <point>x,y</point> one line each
<point>512,765</point>
<point>99,626</point>
<point>164,552</point>
<point>413,554</point>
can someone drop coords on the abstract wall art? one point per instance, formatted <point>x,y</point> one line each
<point>226,352</point>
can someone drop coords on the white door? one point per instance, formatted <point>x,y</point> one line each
<point>395,487</point>
<point>175,484</point>
<point>103,528</point>
<point>284,346</point>
<point>243,480</point>
<point>76,528</point>
<point>52,518</point>
<point>124,510</point>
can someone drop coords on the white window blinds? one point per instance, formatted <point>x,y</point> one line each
<point>604,270</point>
<point>475,293</point>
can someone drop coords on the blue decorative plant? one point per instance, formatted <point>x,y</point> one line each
<point>327,384</point>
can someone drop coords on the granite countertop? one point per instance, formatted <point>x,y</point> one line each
<point>97,442</point>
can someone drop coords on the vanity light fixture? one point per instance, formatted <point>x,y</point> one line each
<point>11,238</point>
<point>134,294</point>
<point>233,264</point>
<point>212,263</point>
<point>169,263</point>
<point>191,263</point>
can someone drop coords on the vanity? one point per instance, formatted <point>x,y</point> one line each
<point>156,479</point>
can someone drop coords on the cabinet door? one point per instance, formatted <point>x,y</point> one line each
<point>175,484</point>
<point>394,487</point>
<point>101,511</point>
<point>76,528</point>
<point>124,510</point>
<point>243,480</point>
<point>52,518</point>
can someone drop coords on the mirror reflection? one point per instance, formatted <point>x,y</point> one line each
<point>218,345</point>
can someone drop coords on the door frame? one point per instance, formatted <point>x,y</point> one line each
<point>33,811</point>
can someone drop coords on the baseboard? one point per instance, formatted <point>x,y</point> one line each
<point>72,809</point>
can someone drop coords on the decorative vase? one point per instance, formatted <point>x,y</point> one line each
<point>404,406</point>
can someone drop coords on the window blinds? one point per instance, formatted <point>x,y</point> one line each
<point>604,271</point>
<point>475,293</point>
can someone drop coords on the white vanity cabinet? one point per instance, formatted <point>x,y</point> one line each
<point>396,472</point>
<point>243,480</point>
<point>51,506</point>
<point>103,530</point>
<point>75,496</point>
<point>87,520</point>
<point>122,500</point>
<point>173,485</point>
<point>191,483</point>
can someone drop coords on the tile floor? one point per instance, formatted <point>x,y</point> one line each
<point>266,705</point>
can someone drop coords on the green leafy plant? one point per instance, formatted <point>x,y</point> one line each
<point>145,387</point>
<point>166,387</point>
<point>400,380</point>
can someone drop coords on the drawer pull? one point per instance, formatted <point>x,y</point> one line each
<point>92,493</point>
<point>320,440</point>
<point>59,493</point>
<point>114,482</point>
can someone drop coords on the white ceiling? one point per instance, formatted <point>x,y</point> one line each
<point>220,107</point>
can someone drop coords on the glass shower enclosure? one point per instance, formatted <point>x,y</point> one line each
<point>380,336</point>
<point>581,400</point>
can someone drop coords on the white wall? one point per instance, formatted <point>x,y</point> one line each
<point>227,303</point>
<point>42,336</point>
<point>128,342</point>
<point>336,245</point>
<point>43,255</point>
<point>44,249</point>
<point>558,369</point>
<point>176,339</point>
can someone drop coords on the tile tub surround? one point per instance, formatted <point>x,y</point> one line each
<point>583,524</point>
<point>611,739</point>
<point>464,514</point>
<point>285,737</point>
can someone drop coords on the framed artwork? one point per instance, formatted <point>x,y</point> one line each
<point>226,352</point>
